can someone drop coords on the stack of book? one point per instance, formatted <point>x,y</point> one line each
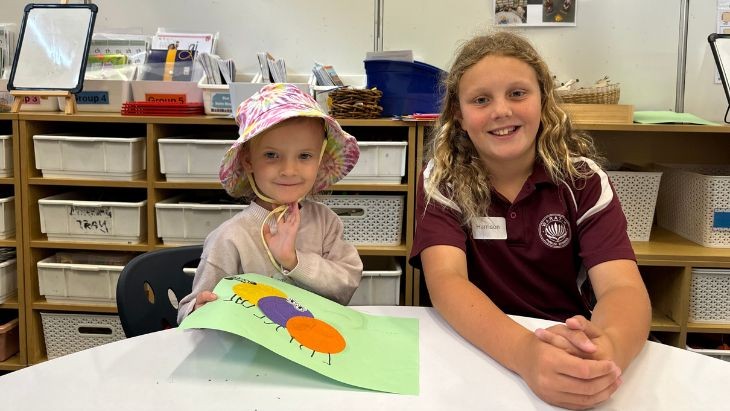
<point>272,70</point>
<point>326,75</point>
<point>217,71</point>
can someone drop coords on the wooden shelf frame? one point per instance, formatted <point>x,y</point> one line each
<point>9,126</point>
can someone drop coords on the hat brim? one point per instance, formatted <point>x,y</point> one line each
<point>338,159</point>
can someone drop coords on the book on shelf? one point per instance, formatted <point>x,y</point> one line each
<point>326,75</point>
<point>169,65</point>
<point>217,70</point>
<point>272,70</point>
<point>200,42</point>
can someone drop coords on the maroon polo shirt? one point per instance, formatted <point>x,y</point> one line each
<point>555,231</point>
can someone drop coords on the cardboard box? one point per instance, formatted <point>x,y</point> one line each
<point>599,113</point>
<point>9,339</point>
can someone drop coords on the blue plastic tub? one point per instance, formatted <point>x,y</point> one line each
<point>408,87</point>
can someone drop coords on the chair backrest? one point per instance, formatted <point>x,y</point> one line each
<point>143,300</point>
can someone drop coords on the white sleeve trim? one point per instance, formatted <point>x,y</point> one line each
<point>606,192</point>
<point>440,198</point>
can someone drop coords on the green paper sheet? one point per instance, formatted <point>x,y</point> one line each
<point>374,352</point>
<point>659,117</point>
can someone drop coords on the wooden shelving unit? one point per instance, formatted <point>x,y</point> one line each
<point>9,126</point>
<point>666,260</point>
<point>155,188</point>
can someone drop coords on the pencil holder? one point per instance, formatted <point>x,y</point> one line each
<point>355,103</point>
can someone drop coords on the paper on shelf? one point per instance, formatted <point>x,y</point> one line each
<point>659,117</point>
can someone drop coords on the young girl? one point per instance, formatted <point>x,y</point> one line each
<point>513,215</point>
<point>288,148</point>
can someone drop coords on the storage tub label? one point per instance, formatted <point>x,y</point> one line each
<point>721,220</point>
<point>31,100</point>
<point>92,220</point>
<point>92,97</point>
<point>166,98</point>
<point>221,102</point>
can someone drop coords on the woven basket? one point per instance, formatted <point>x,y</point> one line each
<point>609,94</point>
<point>355,103</point>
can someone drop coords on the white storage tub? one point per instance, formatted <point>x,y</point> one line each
<point>381,162</point>
<point>101,96</point>
<point>216,98</point>
<point>184,222</point>
<point>103,158</point>
<point>369,219</point>
<point>30,103</point>
<point>81,278</point>
<point>637,191</point>
<point>74,217</point>
<point>694,202</point>
<point>7,213</point>
<point>6,156</point>
<point>188,159</point>
<point>709,299</point>
<point>166,91</point>
<point>66,333</point>
<point>241,90</point>
<point>39,103</point>
<point>380,283</point>
<point>8,279</point>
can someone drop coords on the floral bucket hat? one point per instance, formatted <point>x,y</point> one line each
<point>271,105</point>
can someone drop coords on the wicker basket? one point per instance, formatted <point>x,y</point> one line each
<point>592,95</point>
<point>355,103</point>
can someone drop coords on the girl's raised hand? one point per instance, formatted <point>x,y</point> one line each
<point>282,243</point>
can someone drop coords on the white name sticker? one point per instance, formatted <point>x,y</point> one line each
<point>489,228</point>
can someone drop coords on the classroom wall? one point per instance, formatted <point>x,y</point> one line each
<point>634,42</point>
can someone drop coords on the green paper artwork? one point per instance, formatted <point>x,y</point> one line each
<point>373,352</point>
<point>659,117</point>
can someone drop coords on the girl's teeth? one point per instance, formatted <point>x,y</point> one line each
<point>503,131</point>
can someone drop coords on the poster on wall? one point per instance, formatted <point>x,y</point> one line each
<point>546,13</point>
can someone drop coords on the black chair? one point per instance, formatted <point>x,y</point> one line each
<point>143,300</point>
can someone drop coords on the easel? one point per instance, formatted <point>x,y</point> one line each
<point>18,98</point>
<point>18,95</point>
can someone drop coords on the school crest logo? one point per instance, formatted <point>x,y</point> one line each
<point>554,231</point>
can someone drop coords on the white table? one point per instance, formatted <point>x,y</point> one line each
<point>212,370</point>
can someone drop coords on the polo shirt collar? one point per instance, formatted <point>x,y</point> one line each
<point>539,174</point>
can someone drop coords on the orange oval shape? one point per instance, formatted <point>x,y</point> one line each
<point>316,335</point>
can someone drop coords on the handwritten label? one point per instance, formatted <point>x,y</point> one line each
<point>92,97</point>
<point>489,228</point>
<point>92,220</point>
<point>166,98</point>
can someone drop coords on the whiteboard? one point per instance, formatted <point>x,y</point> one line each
<point>52,47</point>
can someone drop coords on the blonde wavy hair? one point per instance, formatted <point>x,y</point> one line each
<point>457,177</point>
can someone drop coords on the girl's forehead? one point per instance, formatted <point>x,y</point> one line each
<point>494,69</point>
<point>291,135</point>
